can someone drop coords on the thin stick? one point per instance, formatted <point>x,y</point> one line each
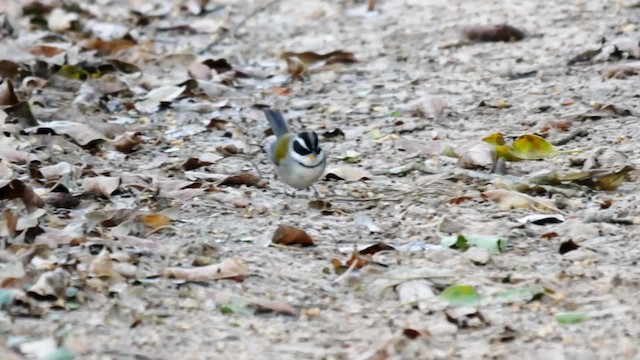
<point>344,274</point>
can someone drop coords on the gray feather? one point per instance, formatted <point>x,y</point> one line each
<point>276,121</point>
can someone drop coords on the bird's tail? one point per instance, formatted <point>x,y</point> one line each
<point>276,121</point>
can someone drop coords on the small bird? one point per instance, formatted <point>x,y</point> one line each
<point>298,158</point>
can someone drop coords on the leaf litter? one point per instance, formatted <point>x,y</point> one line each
<point>135,183</point>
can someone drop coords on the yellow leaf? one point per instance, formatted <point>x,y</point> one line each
<point>73,72</point>
<point>532,147</point>
<point>502,149</point>
<point>155,221</point>
<point>495,139</point>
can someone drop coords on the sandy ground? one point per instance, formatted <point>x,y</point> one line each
<point>408,54</point>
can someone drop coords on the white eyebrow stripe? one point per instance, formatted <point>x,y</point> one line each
<point>302,143</point>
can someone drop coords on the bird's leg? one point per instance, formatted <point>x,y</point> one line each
<point>316,191</point>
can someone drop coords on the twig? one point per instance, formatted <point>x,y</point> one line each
<point>344,274</point>
<point>609,218</point>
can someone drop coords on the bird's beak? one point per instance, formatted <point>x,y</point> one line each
<point>312,157</point>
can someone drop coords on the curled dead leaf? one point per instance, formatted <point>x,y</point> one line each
<point>82,134</point>
<point>101,185</point>
<point>247,179</point>
<point>296,68</point>
<point>290,235</point>
<point>16,189</point>
<point>347,173</point>
<point>493,33</point>
<point>155,221</point>
<point>232,268</point>
<point>310,57</point>
<point>127,142</point>
<point>51,284</point>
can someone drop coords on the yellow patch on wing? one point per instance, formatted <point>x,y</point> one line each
<point>281,148</point>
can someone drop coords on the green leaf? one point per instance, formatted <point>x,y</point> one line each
<point>493,243</point>
<point>524,294</point>
<point>460,295</point>
<point>570,317</point>
<point>455,241</point>
<point>6,298</point>
<point>72,72</point>
<point>226,310</point>
<point>62,353</point>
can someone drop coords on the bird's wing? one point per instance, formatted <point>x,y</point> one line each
<point>280,147</point>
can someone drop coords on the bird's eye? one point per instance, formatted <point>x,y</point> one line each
<point>298,148</point>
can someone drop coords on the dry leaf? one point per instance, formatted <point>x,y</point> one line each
<point>289,235</point>
<point>101,185</point>
<point>310,57</point>
<point>8,95</point>
<point>127,142</point>
<point>477,154</point>
<point>155,221</point>
<point>233,268</point>
<point>16,189</point>
<point>108,47</point>
<point>493,33</point>
<point>247,179</point>
<point>51,284</point>
<point>82,134</point>
<point>508,200</point>
<point>347,173</point>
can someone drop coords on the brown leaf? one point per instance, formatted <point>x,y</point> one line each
<point>203,160</point>
<point>310,57</point>
<point>16,189</point>
<point>568,246</point>
<point>108,47</point>
<point>101,185</point>
<point>459,200</point>
<point>246,178</point>
<point>297,69</point>
<point>219,65</point>
<point>127,142</point>
<point>217,124</point>
<point>493,33</point>
<point>46,50</point>
<point>62,200</point>
<point>155,221</point>
<point>364,256</point>
<point>289,235</point>
<point>281,307</point>
<point>233,268</point>
<point>9,69</point>
<point>8,95</point>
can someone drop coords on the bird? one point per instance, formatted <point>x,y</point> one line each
<point>298,158</point>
